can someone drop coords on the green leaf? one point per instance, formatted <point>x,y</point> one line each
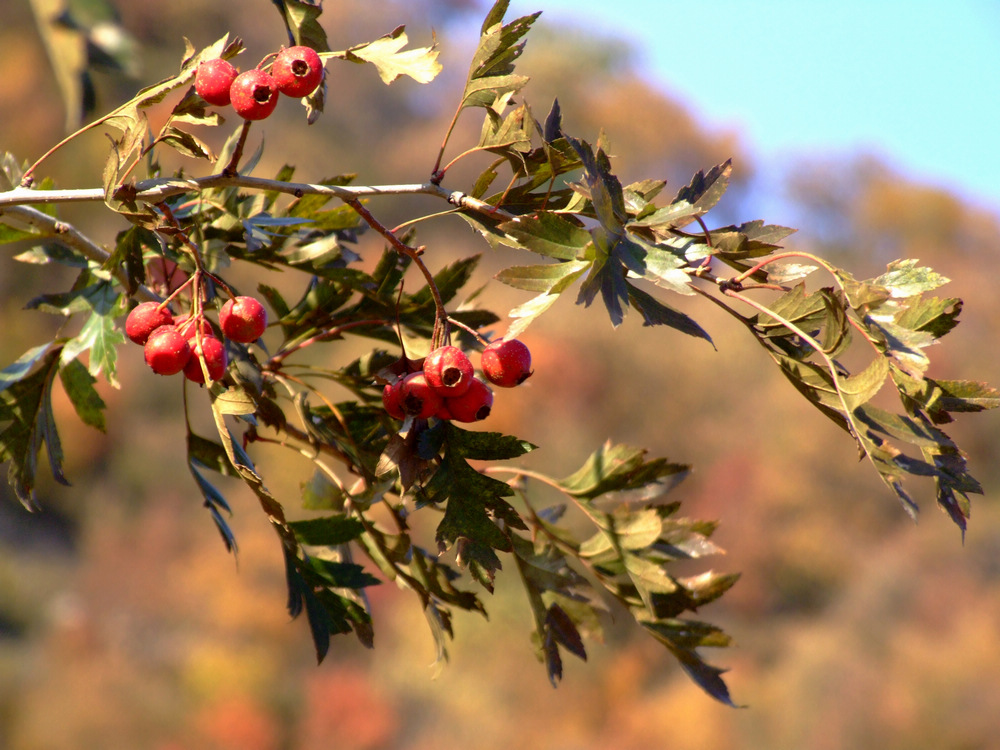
<point>655,313</point>
<point>19,369</point>
<point>560,275</point>
<point>550,278</point>
<point>632,530</point>
<point>705,190</point>
<point>964,395</point>
<point>486,446</point>
<point>904,278</point>
<point>475,501</point>
<point>392,61</point>
<point>79,387</point>
<point>215,503</point>
<point>508,136</point>
<point>327,531</point>
<point>615,468</point>
<point>601,187</point>
<point>861,388</point>
<point>26,403</point>
<point>547,234</point>
<point>660,264</point>
<point>186,143</point>
<point>99,334</point>
<point>707,677</point>
<point>319,493</point>
<point>130,246</point>
<point>491,80</point>
<point>302,20</point>
<point>933,315</point>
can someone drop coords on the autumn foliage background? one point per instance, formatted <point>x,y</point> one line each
<point>124,622</point>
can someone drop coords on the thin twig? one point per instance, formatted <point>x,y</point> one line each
<point>66,234</point>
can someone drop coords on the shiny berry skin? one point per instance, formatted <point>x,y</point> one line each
<point>254,94</point>
<point>215,359</point>
<point>243,319</point>
<point>213,81</point>
<point>167,351</point>
<point>417,398</point>
<point>297,71</point>
<point>391,400</point>
<point>473,405</point>
<point>449,371</point>
<point>506,363</point>
<point>144,319</point>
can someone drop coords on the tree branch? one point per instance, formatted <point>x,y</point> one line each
<point>156,190</point>
<point>67,234</point>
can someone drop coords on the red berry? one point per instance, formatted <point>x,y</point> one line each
<point>213,80</point>
<point>144,319</point>
<point>167,351</point>
<point>390,400</point>
<point>417,398</point>
<point>297,71</point>
<point>443,411</point>
<point>215,359</point>
<point>254,94</point>
<point>473,405</point>
<point>243,319</point>
<point>449,371</point>
<point>506,363</point>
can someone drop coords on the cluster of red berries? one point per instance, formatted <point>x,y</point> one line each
<point>295,72</point>
<point>447,387</point>
<point>172,345</point>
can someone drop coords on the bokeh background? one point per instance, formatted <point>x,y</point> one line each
<point>124,623</point>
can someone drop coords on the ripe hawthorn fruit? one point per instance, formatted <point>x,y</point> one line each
<point>449,371</point>
<point>297,71</point>
<point>254,94</point>
<point>145,318</point>
<point>473,405</point>
<point>167,351</point>
<point>391,395</point>
<point>213,81</point>
<point>417,398</point>
<point>506,363</point>
<point>243,319</point>
<point>214,353</point>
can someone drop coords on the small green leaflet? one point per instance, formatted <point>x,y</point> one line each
<point>99,334</point>
<point>79,386</point>
<point>26,403</point>
<point>491,80</point>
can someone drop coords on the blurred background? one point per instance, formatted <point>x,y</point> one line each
<point>124,622</point>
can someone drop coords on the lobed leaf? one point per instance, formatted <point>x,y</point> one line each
<point>392,61</point>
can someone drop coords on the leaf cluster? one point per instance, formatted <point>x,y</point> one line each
<point>612,545</point>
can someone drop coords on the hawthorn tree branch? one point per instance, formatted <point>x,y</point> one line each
<point>156,190</point>
<point>65,233</point>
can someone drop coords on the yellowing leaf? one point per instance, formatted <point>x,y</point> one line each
<point>387,54</point>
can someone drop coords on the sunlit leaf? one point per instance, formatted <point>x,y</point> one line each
<point>392,61</point>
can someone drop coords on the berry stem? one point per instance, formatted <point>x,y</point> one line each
<point>440,314</point>
<point>275,362</point>
<point>467,329</point>
<point>231,168</point>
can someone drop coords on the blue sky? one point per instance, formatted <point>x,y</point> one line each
<point>917,83</point>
